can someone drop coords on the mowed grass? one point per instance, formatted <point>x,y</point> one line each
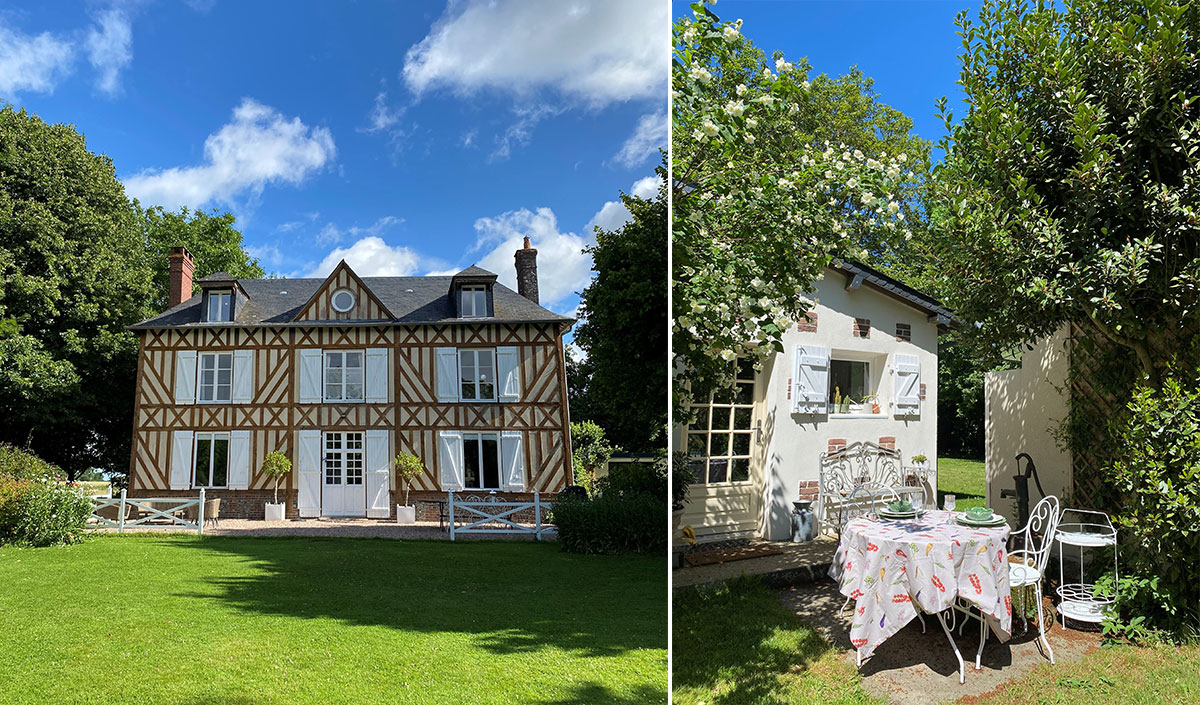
<point>248,621</point>
<point>735,644</point>
<point>964,479</point>
<point>1159,675</point>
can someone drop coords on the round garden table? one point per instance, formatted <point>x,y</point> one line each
<point>893,568</point>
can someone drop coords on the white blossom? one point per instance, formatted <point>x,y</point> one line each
<point>710,128</point>
<point>735,108</point>
<point>741,89</point>
<point>782,66</point>
<point>701,74</point>
<point>730,33</point>
<point>749,138</point>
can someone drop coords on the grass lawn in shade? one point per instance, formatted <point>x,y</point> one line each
<point>183,619</point>
<point>735,644</point>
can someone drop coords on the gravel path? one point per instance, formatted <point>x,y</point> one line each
<point>359,528</point>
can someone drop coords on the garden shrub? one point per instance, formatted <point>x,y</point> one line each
<point>35,508</point>
<point>629,479</point>
<point>1156,471</point>
<point>612,523</point>
<point>589,452</point>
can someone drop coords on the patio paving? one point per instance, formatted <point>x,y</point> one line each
<point>798,563</point>
<point>361,528</point>
<point>912,668</point>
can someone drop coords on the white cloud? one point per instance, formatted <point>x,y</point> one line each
<point>381,116</point>
<point>270,255</point>
<point>595,51</point>
<point>332,233</point>
<point>613,214</point>
<point>647,137</point>
<point>563,267</point>
<point>371,257</point>
<point>258,147</point>
<point>110,49</point>
<point>520,132</point>
<point>29,63</point>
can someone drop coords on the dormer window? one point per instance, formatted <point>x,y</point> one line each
<point>473,302</point>
<point>220,306</point>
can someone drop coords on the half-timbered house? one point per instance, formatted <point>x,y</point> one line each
<point>343,373</point>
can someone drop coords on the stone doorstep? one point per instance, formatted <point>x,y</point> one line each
<point>801,564</point>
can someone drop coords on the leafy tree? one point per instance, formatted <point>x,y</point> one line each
<point>215,244</point>
<point>1070,189</point>
<point>774,175</point>
<point>621,383</point>
<point>590,452</point>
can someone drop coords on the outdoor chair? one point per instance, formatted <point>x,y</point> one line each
<point>212,512</point>
<point>1030,568</point>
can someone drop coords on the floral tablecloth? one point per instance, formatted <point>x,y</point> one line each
<point>892,568</point>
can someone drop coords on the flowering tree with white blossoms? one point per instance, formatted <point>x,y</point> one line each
<point>761,204</point>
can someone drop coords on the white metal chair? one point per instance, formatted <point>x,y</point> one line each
<point>1038,536</point>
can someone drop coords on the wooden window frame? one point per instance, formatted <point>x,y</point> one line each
<point>476,383</point>
<point>325,368</point>
<point>211,437</point>
<point>478,437</point>
<point>200,358</point>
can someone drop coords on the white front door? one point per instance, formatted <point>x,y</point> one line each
<point>343,492</point>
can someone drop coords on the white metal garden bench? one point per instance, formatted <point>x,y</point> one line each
<point>862,462</point>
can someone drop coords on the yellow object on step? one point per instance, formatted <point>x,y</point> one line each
<point>689,534</point>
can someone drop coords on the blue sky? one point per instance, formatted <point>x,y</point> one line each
<point>909,48</point>
<point>409,138</point>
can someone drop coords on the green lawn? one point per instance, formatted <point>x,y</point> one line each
<point>735,644</point>
<point>244,621</point>
<point>962,478</point>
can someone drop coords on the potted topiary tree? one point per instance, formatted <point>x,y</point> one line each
<point>275,466</point>
<point>408,468</point>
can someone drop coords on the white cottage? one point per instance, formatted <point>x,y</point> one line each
<point>862,367</point>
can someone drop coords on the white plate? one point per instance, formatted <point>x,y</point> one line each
<point>900,515</point>
<point>996,520</point>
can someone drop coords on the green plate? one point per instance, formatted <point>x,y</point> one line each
<point>911,514</point>
<point>996,520</point>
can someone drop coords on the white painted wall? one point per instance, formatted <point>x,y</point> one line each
<point>793,443</point>
<point>1022,407</point>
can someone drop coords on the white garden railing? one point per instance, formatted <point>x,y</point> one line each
<point>150,508</point>
<point>491,516</point>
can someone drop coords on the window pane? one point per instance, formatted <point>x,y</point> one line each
<point>354,359</point>
<point>745,368</point>
<point>491,462</point>
<point>719,444</point>
<point>224,376</point>
<point>333,359</point>
<point>471,470</point>
<point>697,468</point>
<point>741,470</point>
<point>742,417</point>
<point>224,301</point>
<point>745,393</point>
<point>353,374</point>
<point>741,444</point>
<point>354,391</point>
<point>695,443</point>
<point>701,421</point>
<point>333,440</point>
<point>203,451</point>
<point>718,470</point>
<point>333,391</point>
<point>208,362</point>
<point>354,468</point>
<point>220,460</point>
<point>481,302</point>
<point>333,375</point>
<point>723,396</point>
<point>467,373</point>
<point>223,391</point>
<point>206,392</point>
<point>849,378</point>
<point>720,417</point>
<point>333,468</point>
<point>207,376</point>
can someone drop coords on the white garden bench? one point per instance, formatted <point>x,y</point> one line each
<point>862,461</point>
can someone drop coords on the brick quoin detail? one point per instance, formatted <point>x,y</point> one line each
<point>808,324</point>
<point>887,442</point>
<point>921,395</point>
<point>862,328</point>
<point>835,445</point>
<point>904,332</point>
<point>789,392</point>
<point>808,490</point>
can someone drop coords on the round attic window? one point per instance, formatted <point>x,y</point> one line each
<point>342,300</point>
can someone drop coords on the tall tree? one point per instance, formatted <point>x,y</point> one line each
<point>775,174</point>
<point>78,264</point>
<point>624,328</point>
<point>1070,191</point>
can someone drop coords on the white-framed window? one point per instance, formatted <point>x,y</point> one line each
<point>220,306</point>
<point>344,458</point>
<point>342,300</point>
<point>477,374</point>
<point>211,468</point>
<point>719,441</point>
<point>343,375</point>
<point>851,386</point>
<point>481,461</point>
<point>473,301</point>
<point>216,378</point>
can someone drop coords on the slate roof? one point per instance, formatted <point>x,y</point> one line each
<point>278,301</point>
<point>903,292</point>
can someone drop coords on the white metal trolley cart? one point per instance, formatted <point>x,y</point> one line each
<point>1079,599</point>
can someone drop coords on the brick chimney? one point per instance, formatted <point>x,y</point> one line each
<point>527,284</point>
<point>180,276</point>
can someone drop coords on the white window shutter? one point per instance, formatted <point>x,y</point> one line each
<point>310,375</point>
<point>185,376</point>
<point>181,459</point>
<point>243,376</point>
<point>906,384</point>
<point>239,459</point>
<point>447,374</point>
<point>508,366</point>
<point>377,375</point>
<point>810,380</point>
<point>308,472</point>
<point>512,461</point>
<point>450,459</point>
<point>376,475</point>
